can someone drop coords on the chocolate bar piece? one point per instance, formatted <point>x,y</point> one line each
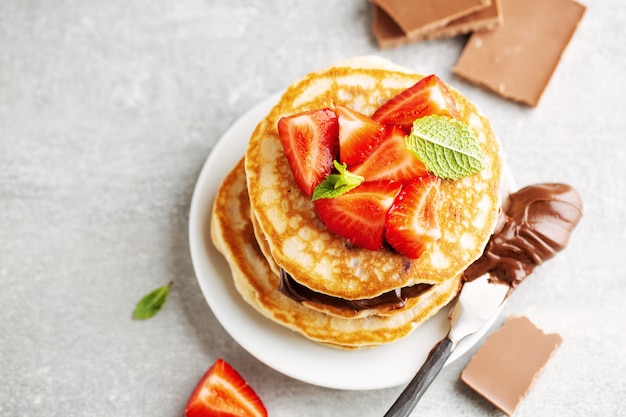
<point>517,59</point>
<point>507,365</point>
<point>416,17</point>
<point>389,35</point>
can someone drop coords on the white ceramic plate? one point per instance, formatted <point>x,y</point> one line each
<point>276,346</point>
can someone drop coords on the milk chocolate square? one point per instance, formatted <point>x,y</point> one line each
<point>507,365</point>
<point>389,35</point>
<point>517,59</point>
<point>415,17</point>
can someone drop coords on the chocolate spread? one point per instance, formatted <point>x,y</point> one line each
<point>392,299</point>
<point>535,226</point>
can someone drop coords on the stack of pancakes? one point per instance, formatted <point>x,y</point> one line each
<point>288,266</point>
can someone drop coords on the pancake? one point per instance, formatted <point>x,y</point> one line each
<point>295,240</point>
<point>336,306</point>
<point>232,233</point>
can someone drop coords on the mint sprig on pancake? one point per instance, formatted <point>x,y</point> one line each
<point>337,184</point>
<point>447,147</point>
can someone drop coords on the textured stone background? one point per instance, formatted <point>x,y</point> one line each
<point>108,110</point>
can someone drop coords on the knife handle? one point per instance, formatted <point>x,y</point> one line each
<point>408,399</point>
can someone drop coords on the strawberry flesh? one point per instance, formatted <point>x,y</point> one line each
<point>358,135</point>
<point>391,160</point>
<point>428,96</point>
<point>411,224</point>
<point>359,215</point>
<point>222,392</point>
<point>310,140</point>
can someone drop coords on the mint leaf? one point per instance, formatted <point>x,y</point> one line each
<point>151,303</point>
<point>447,147</point>
<point>337,184</point>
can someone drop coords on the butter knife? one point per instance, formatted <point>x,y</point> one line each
<point>478,301</point>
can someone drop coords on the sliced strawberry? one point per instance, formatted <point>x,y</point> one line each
<point>391,160</point>
<point>358,135</point>
<point>359,215</point>
<point>428,96</point>
<point>412,223</point>
<point>223,392</point>
<point>311,144</point>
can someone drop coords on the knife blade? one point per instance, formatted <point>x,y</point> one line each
<point>477,302</point>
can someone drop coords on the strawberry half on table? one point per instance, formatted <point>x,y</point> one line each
<point>222,392</point>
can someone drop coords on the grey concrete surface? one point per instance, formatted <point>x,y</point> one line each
<point>108,110</point>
